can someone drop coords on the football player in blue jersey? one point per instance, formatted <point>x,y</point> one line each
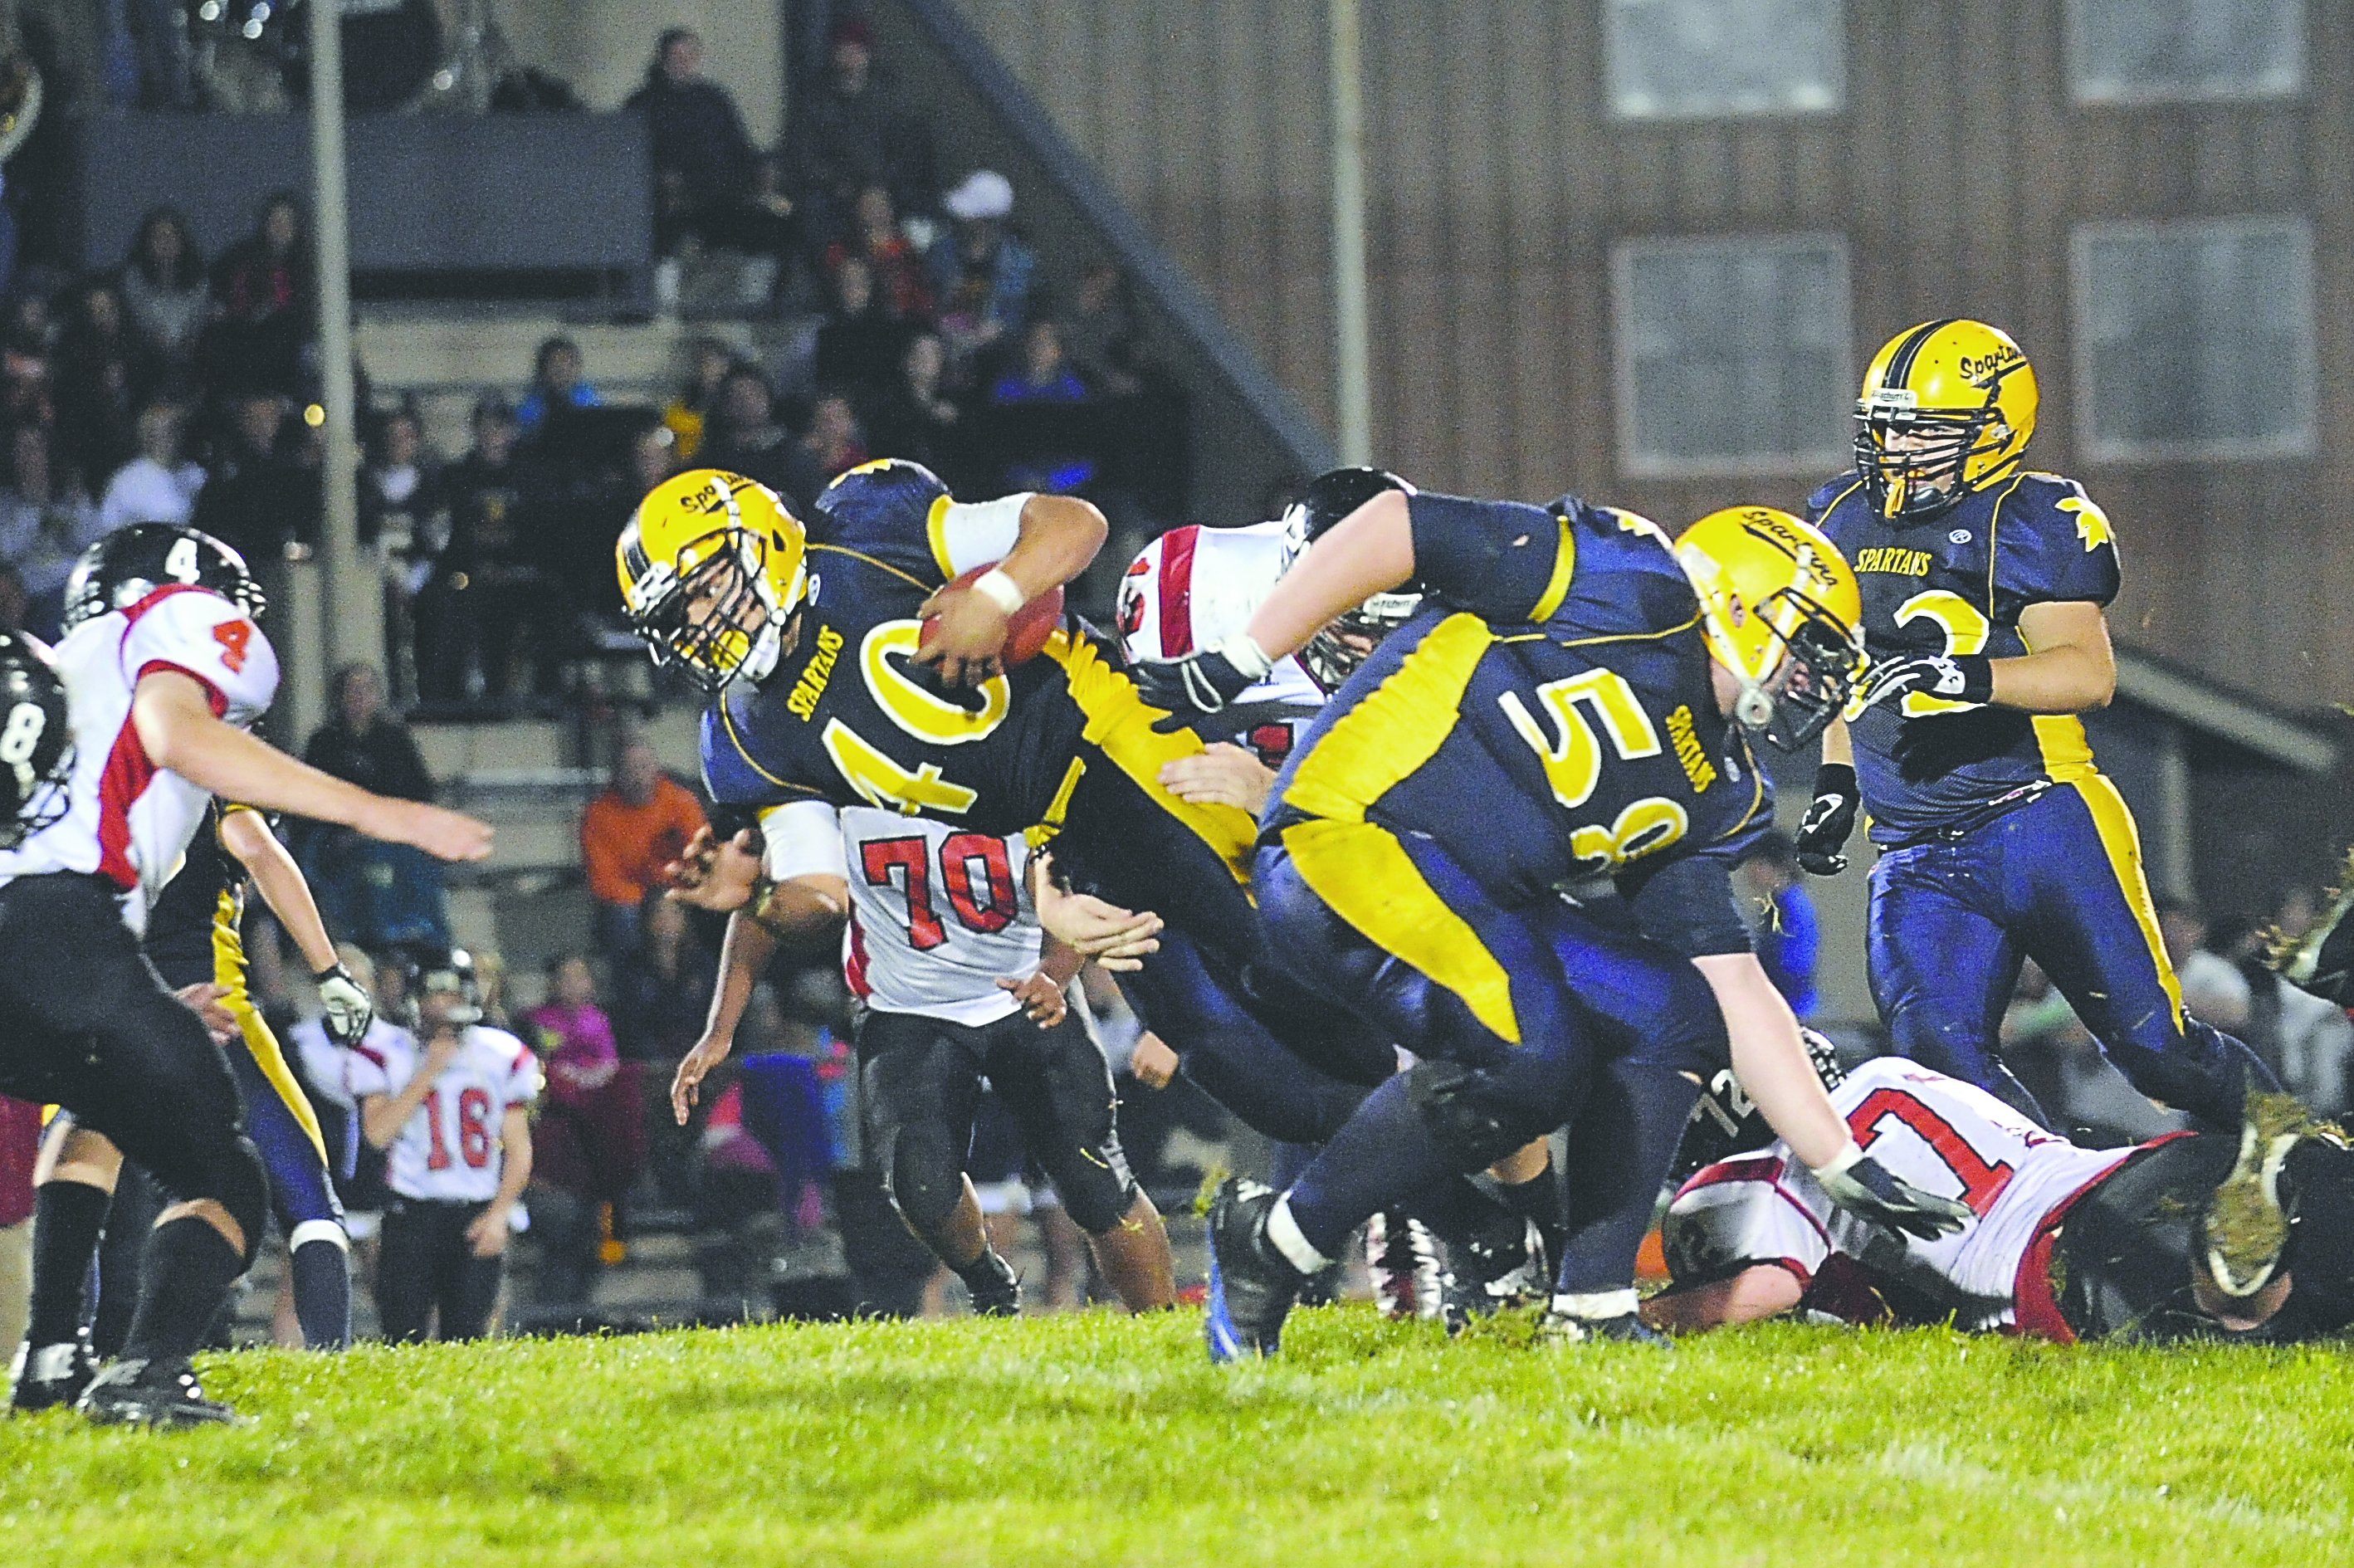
<point>1983,588</point>
<point>849,667</point>
<point>1557,711</point>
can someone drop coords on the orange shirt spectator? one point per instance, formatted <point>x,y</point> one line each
<point>641,821</point>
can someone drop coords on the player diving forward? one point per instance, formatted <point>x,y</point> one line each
<point>2063,1243</point>
<point>1998,838</point>
<point>1558,708</point>
<point>810,649</point>
<point>159,687</point>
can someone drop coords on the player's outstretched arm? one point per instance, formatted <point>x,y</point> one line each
<point>1760,1290</point>
<point>2069,667</point>
<point>281,883</point>
<point>1771,1062</point>
<point>1114,937</point>
<point>176,726</point>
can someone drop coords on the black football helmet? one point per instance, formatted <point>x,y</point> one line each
<point>440,970</point>
<point>1332,655</point>
<point>36,740</point>
<point>132,563</point>
<point>1725,1121</point>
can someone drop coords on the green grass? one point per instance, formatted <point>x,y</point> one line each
<point>1101,1440</point>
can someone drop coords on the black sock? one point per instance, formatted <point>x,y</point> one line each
<point>69,1217</point>
<point>1383,1154</point>
<point>986,1272</point>
<point>322,1295</point>
<point>1543,1200</point>
<point>1621,1148</point>
<point>188,1270</point>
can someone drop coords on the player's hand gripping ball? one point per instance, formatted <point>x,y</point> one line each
<point>955,616</point>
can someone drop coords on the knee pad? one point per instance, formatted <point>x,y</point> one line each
<point>1466,1114</point>
<point>1095,1192</point>
<point>923,1179</point>
<point>234,1178</point>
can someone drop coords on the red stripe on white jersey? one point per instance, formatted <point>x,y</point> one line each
<point>854,963</point>
<point>128,771</point>
<point>1177,590</point>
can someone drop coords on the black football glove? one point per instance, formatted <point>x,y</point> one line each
<point>1954,677</point>
<point>1201,684</point>
<point>1823,830</point>
<point>1868,1190</point>
<point>348,1010</point>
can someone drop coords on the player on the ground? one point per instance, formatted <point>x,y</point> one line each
<point>1194,588</point>
<point>194,939</point>
<point>449,1099</point>
<point>1558,708</point>
<point>1983,589</point>
<point>160,686</point>
<point>2063,1243</point>
<point>956,984</point>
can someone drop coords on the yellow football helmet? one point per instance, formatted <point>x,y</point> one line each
<point>1779,606</point>
<point>712,568</point>
<point>1947,408</point>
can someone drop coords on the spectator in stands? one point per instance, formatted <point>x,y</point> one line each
<point>1102,334</point>
<point>483,601</point>
<point>554,383</point>
<point>25,355</point>
<point>95,412</point>
<point>982,277</point>
<point>709,182</point>
<point>1782,915</point>
<point>378,895</point>
<point>159,485</point>
<point>851,137</point>
<point>915,417</point>
<point>745,438</point>
<point>590,1142</point>
<point>262,493</point>
<point>709,360</point>
<point>1143,410</point>
<point>858,345</point>
<point>165,294</point>
<point>20,1146</point>
<point>14,604</point>
<point>662,992</point>
<point>1042,375</point>
<point>640,823</point>
<point>875,237</point>
<point>832,443</point>
<point>2214,990</point>
<point>265,304</point>
<point>45,525</point>
<point>403,510</point>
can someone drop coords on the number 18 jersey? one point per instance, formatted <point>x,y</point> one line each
<point>129,821</point>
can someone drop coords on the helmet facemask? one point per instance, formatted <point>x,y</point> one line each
<point>719,621</point>
<point>1803,682</point>
<point>1332,655</point>
<point>1918,462</point>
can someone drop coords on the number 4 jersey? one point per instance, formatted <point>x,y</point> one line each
<point>130,822</point>
<point>448,1151</point>
<point>1941,1135</point>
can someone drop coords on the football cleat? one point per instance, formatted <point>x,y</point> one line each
<point>2247,1226</point>
<point>1559,1328</point>
<point>1483,1278</point>
<point>47,1376</point>
<point>1402,1259</point>
<point>1252,1286</point>
<point>999,1295</point>
<point>157,1392</point>
<point>2322,961</point>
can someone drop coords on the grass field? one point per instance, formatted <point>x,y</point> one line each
<point>1099,1439</point>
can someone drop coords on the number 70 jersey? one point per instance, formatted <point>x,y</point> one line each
<point>129,821</point>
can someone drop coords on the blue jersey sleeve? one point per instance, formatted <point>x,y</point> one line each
<point>2053,545</point>
<point>1687,903</point>
<point>1502,560</point>
<point>731,775</point>
<point>1830,495</point>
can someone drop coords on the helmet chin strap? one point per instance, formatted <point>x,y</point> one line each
<point>761,661</point>
<point>1754,708</point>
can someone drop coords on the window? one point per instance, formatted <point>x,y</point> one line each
<point>2141,51</point>
<point>1686,59</point>
<point>2195,339</point>
<point>1732,355</point>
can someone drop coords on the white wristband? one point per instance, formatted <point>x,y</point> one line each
<point>1840,1161</point>
<point>1000,590</point>
<point>1243,652</point>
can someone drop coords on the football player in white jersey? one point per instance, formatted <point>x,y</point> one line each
<point>956,983</point>
<point>2062,1242</point>
<point>160,684</point>
<point>449,1100</point>
<point>1194,586</point>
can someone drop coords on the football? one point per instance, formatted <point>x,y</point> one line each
<point>1028,629</point>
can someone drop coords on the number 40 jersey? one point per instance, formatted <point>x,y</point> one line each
<point>130,822</point>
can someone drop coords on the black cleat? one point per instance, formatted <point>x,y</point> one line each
<point>2322,961</point>
<point>1402,1259</point>
<point>140,1392</point>
<point>1252,1286</point>
<point>1557,1329</point>
<point>999,1294</point>
<point>44,1377</point>
<point>2247,1226</point>
<point>1484,1279</point>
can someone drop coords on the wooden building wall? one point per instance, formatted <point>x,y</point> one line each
<point>1499,184</point>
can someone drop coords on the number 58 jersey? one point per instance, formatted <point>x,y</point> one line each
<point>129,821</point>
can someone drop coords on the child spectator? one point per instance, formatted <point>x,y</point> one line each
<point>451,1106</point>
<point>591,1139</point>
<point>640,823</point>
